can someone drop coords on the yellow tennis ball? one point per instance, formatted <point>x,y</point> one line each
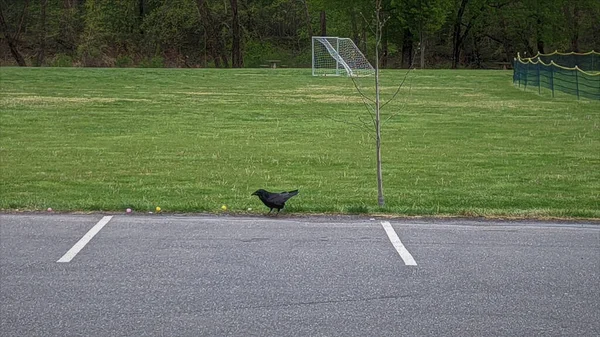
<point>224,207</point>
<point>157,209</point>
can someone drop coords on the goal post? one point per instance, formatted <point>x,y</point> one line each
<point>335,56</point>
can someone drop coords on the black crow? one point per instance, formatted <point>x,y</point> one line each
<point>274,200</point>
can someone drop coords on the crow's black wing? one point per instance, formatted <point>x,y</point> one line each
<point>280,198</point>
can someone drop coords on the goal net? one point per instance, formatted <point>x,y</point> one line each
<point>337,56</point>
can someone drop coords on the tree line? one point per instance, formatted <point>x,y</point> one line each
<point>245,33</point>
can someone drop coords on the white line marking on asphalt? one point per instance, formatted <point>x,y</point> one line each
<point>404,254</point>
<point>84,240</point>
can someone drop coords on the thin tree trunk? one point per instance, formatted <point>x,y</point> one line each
<point>307,18</point>
<point>422,47</point>
<point>39,60</point>
<point>363,44</point>
<point>380,198</point>
<point>572,13</point>
<point>540,41</point>
<point>456,34</point>
<point>12,40</point>
<point>407,49</point>
<point>16,53</point>
<point>236,49</point>
<point>142,8</point>
<point>384,48</point>
<point>575,33</point>
<point>459,37</point>
<point>67,26</point>
<point>540,47</point>
<point>214,43</point>
<point>354,26</point>
<point>323,24</point>
<point>575,43</point>
<point>221,48</point>
<point>508,51</point>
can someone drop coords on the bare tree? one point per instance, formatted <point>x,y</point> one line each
<point>374,106</point>
<point>378,30</point>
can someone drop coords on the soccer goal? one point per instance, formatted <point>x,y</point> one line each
<point>338,56</point>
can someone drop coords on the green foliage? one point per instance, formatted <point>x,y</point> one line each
<point>99,32</point>
<point>91,53</point>
<point>61,60</point>
<point>109,28</point>
<point>257,54</point>
<point>171,24</point>
<point>124,62</point>
<point>153,62</point>
<point>423,15</point>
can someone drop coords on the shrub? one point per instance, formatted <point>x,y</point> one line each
<point>124,61</point>
<point>61,60</point>
<point>153,62</point>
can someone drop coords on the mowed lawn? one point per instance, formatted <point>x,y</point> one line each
<point>464,143</point>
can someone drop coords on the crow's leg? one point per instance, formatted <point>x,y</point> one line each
<point>270,210</point>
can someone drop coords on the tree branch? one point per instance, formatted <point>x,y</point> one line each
<point>16,37</point>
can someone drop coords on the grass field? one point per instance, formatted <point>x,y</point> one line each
<point>462,143</point>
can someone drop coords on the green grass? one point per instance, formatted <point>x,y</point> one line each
<point>463,143</point>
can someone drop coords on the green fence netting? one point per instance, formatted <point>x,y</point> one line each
<point>577,74</point>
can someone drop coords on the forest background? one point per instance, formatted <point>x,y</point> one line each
<point>246,33</point>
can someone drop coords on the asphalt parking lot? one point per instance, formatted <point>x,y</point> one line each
<point>169,275</point>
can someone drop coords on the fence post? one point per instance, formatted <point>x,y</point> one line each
<point>552,78</point>
<point>519,72</point>
<point>526,76</point>
<point>577,81</point>
<point>538,79</point>
<point>514,72</point>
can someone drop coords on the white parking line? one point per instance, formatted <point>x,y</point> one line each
<point>404,254</point>
<point>84,240</point>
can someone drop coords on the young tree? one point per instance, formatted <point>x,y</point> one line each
<point>378,30</point>
<point>374,105</point>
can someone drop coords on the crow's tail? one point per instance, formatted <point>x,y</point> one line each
<point>293,193</point>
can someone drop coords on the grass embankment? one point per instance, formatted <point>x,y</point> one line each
<point>463,143</point>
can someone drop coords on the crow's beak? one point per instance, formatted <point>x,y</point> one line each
<point>254,193</point>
